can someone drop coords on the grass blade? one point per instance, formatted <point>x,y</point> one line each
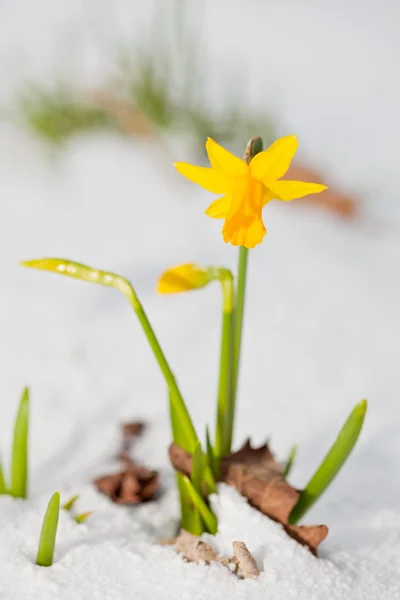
<point>48,533</point>
<point>210,520</point>
<point>70,503</point>
<point>19,460</point>
<point>3,487</point>
<point>190,516</point>
<point>290,461</point>
<point>332,462</point>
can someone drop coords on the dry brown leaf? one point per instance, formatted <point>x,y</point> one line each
<point>331,199</point>
<point>134,485</point>
<point>194,549</point>
<point>257,476</point>
<point>247,566</point>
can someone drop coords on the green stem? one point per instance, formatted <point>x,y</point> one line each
<point>254,146</point>
<point>225,373</point>
<point>237,343</point>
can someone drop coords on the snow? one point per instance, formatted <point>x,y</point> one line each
<point>322,332</point>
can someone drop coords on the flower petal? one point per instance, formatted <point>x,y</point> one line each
<point>246,232</point>
<point>220,207</point>
<point>224,161</point>
<point>274,162</point>
<point>290,190</point>
<point>209,179</point>
<point>182,279</point>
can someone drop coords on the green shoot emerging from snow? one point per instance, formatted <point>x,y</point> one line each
<point>48,533</point>
<point>19,461</point>
<point>332,462</point>
<point>70,503</point>
<point>3,487</point>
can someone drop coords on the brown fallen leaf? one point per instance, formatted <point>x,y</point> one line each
<point>194,549</point>
<point>331,199</point>
<point>134,485</point>
<point>247,566</point>
<point>255,473</point>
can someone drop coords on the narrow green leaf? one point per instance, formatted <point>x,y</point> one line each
<point>290,461</point>
<point>77,270</point>
<point>210,520</point>
<point>3,487</point>
<point>197,468</point>
<point>48,533</point>
<point>212,460</point>
<point>68,505</point>
<point>332,462</point>
<point>209,480</point>
<point>82,518</point>
<point>19,460</point>
<point>190,517</point>
<point>85,273</point>
<point>180,435</point>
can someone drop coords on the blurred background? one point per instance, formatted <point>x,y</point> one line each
<point>97,99</point>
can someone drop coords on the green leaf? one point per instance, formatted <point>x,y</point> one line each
<point>197,468</point>
<point>212,460</point>
<point>290,461</point>
<point>77,270</point>
<point>48,533</point>
<point>85,273</point>
<point>332,462</point>
<point>3,487</point>
<point>210,520</point>
<point>68,505</point>
<point>19,460</point>
<point>82,518</point>
<point>190,517</point>
<point>180,435</point>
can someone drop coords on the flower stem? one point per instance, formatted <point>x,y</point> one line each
<point>237,342</point>
<point>225,373</point>
<point>254,146</point>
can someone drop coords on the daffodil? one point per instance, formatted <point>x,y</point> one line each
<point>247,188</point>
<point>183,278</point>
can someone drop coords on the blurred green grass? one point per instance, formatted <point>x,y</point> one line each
<point>161,88</point>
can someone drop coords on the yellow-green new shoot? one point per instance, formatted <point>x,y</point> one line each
<point>48,533</point>
<point>332,462</point>
<point>19,459</point>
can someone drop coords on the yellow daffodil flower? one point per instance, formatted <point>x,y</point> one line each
<point>247,188</point>
<point>183,278</point>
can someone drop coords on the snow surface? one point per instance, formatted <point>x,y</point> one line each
<point>322,332</point>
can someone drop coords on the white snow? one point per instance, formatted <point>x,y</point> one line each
<point>322,332</point>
